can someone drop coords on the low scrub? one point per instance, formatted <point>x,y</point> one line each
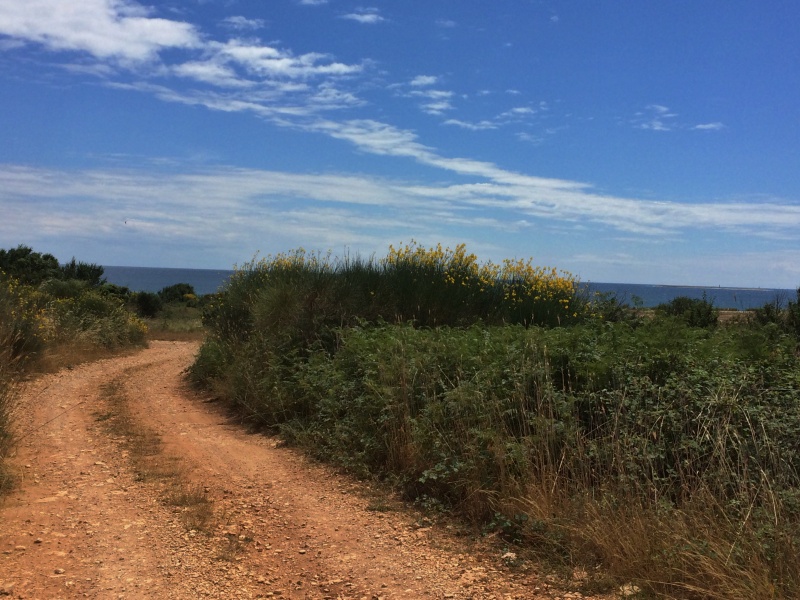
<point>47,319</point>
<point>7,410</point>
<point>662,450</point>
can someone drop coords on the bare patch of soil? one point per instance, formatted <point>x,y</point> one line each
<point>132,486</point>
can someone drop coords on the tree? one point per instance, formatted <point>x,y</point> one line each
<point>35,268</point>
<point>91,273</point>
<point>29,267</point>
<point>180,292</point>
<point>148,304</point>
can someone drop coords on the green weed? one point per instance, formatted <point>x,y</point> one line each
<point>662,449</point>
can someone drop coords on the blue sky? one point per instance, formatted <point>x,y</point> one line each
<point>642,142</point>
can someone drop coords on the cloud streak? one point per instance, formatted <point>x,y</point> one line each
<point>365,16</point>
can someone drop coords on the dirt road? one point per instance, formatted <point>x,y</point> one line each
<point>135,487</point>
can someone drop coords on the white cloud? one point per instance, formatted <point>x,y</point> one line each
<point>367,16</point>
<point>239,208</point>
<point>267,61</point>
<point>424,80</point>
<point>211,72</point>
<point>436,108</point>
<point>313,2</point>
<point>206,200</point>
<point>446,23</point>
<point>560,199</point>
<point>242,23</point>
<point>716,126</point>
<point>106,29</point>
<point>480,126</point>
<point>515,114</point>
<point>656,117</point>
<point>529,137</point>
<point>432,94</point>
<point>437,101</point>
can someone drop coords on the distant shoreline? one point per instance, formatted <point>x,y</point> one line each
<point>693,287</point>
<point>209,281</point>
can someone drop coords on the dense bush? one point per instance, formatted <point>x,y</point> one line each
<point>34,268</point>
<point>695,311</point>
<point>29,267</point>
<point>148,304</point>
<point>785,315</point>
<point>180,292</point>
<point>95,319</point>
<point>661,448</point>
<point>90,273</point>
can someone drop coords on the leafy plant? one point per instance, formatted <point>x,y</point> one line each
<point>662,448</point>
<point>696,312</point>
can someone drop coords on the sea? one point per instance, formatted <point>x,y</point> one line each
<point>209,281</point>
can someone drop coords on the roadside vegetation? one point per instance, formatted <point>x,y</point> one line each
<point>173,313</point>
<point>658,448</point>
<point>54,315</point>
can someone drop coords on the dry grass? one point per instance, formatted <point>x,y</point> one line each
<point>698,551</point>
<point>8,409</point>
<point>177,324</point>
<point>152,465</point>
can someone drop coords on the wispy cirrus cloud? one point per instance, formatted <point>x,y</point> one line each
<point>657,117</point>
<point>236,206</point>
<point>435,102</point>
<point>477,126</point>
<point>423,81</point>
<point>716,126</point>
<point>367,16</point>
<point>560,199</point>
<point>512,116</point>
<point>240,23</point>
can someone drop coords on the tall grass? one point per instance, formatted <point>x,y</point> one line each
<point>7,410</point>
<point>664,453</point>
<point>48,325</point>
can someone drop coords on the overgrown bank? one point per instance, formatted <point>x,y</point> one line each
<point>50,315</point>
<point>663,450</point>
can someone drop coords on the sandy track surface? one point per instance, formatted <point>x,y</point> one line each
<point>84,523</point>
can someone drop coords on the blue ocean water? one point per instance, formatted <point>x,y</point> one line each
<point>149,279</point>
<point>208,281</point>
<point>722,297</point>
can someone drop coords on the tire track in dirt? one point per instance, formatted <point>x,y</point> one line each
<point>83,525</point>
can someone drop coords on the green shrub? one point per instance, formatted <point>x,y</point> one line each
<point>24,322</point>
<point>148,304</point>
<point>663,449</point>
<point>60,288</point>
<point>180,292</point>
<point>29,267</point>
<point>90,273</point>
<point>696,312</point>
<point>94,318</point>
<point>34,268</point>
